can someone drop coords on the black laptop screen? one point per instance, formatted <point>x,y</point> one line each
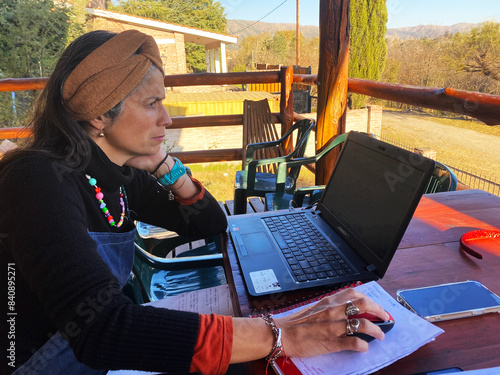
<point>372,194</point>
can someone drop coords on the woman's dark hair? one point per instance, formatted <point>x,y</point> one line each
<point>54,132</point>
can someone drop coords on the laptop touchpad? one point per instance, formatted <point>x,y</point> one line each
<point>257,243</point>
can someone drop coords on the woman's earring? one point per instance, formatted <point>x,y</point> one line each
<point>101,134</point>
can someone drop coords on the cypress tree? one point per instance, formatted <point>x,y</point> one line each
<point>367,50</point>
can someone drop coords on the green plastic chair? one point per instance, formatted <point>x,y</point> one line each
<point>281,198</point>
<point>158,272</point>
<point>250,182</point>
<point>442,179</point>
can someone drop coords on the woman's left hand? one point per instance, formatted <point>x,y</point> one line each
<point>146,162</point>
<point>184,187</point>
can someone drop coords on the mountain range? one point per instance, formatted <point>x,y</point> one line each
<point>242,29</point>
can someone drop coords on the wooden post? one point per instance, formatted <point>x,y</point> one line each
<point>286,101</point>
<point>297,41</point>
<point>334,25</point>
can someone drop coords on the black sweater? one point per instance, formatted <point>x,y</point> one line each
<point>46,212</point>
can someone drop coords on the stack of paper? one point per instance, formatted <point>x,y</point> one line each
<point>409,333</point>
<point>214,300</point>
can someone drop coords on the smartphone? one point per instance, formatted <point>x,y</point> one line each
<point>450,301</point>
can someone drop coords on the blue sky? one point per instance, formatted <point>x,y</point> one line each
<point>402,13</point>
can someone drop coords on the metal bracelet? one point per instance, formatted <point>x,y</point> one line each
<point>277,350</point>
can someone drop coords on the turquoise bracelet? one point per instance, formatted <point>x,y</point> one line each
<point>171,177</point>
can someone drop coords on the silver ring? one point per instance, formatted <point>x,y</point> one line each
<point>352,326</point>
<point>350,309</point>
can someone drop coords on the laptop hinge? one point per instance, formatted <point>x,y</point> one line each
<point>371,268</point>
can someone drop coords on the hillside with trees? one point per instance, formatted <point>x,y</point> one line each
<point>367,51</point>
<point>467,60</point>
<point>242,29</point>
<point>427,31</point>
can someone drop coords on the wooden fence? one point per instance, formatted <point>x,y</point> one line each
<point>483,107</point>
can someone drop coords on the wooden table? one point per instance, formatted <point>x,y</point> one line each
<point>428,254</point>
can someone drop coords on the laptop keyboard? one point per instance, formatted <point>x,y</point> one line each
<point>307,251</point>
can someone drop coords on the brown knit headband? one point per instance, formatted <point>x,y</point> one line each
<point>109,74</point>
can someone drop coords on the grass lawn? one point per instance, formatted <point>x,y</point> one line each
<point>218,178</point>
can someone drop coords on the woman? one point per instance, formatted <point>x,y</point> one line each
<point>69,200</point>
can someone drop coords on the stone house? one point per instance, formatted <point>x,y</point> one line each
<point>169,37</point>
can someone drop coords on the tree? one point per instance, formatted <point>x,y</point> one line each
<point>78,17</point>
<point>477,54</point>
<point>367,48</point>
<point>32,36</point>
<point>466,61</point>
<point>277,48</point>
<point>202,14</point>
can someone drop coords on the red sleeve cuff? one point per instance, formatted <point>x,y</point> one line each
<point>214,346</point>
<point>196,198</point>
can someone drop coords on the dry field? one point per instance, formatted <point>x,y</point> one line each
<point>464,144</point>
<point>468,145</point>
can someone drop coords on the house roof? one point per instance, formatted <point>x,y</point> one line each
<point>191,34</point>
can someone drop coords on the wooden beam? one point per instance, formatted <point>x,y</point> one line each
<point>20,84</point>
<point>309,79</point>
<point>334,28</point>
<point>182,122</point>
<point>14,133</point>
<point>484,107</point>
<point>286,102</point>
<point>196,79</point>
<point>208,156</point>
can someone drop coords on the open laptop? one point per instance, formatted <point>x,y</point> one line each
<point>363,213</point>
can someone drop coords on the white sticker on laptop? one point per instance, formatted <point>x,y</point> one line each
<point>264,281</point>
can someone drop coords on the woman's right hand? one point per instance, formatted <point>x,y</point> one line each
<point>322,328</point>
<point>315,330</point>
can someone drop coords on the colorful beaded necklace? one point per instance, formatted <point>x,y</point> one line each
<point>100,196</point>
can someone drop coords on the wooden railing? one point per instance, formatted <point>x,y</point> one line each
<point>483,107</point>
<point>285,116</point>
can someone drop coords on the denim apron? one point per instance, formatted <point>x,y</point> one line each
<point>56,357</point>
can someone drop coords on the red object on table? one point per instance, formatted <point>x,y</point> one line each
<point>467,239</point>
